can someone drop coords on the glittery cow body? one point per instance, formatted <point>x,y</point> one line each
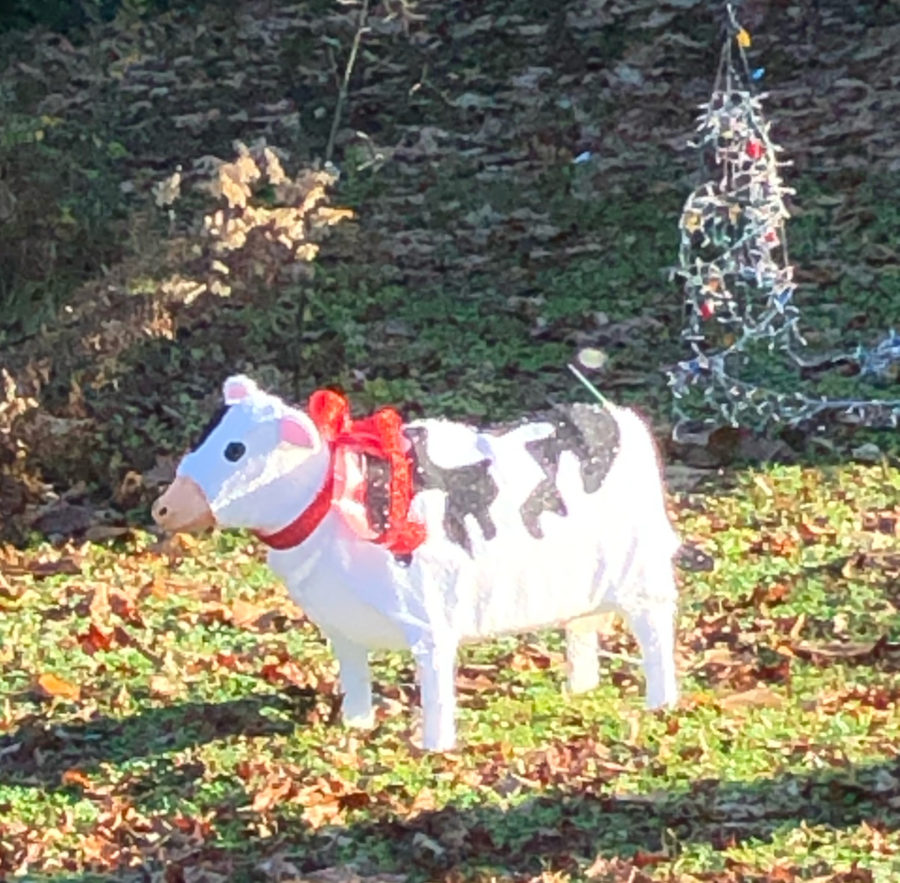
<point>540,524</point>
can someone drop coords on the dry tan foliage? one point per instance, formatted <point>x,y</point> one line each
<point>13,403</point>
<point>250,241</point>
<point>264,231</point>
<point>18,401</point>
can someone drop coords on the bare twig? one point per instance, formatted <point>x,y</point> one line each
<point>361,29</point>
<point>334,68</point>
<point>299,349</point>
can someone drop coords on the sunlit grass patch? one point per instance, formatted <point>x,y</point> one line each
<point>216,700</point>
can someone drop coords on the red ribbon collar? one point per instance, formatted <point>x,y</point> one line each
<point>378,435</point>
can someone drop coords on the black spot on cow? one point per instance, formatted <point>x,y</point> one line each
<point>544,498</point>
<point>378,493</point>
<point>215,420</point>
<point>378,498</point>
<point>469,489</point>
<point>592,435</point>
<point>589,432</point>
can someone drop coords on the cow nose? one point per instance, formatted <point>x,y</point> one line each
<point>158,510</point>
<point>182,507</point>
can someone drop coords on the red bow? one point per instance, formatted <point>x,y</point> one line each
<point>378,435</point>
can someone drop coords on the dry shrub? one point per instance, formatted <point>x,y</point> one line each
<point>18,487</point>
<point>77,420</point>
<point>271,226</point>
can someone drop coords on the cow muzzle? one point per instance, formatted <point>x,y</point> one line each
<point>183,507</point>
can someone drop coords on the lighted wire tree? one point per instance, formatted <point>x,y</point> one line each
<point>741,322</point>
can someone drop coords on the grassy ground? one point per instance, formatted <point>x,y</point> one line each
<point>165,711</point>
<point>167,707</point>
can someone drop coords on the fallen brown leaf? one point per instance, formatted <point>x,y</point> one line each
<point>354,800</point>
<point>245,615</point>
<point>288,672</point>
<point>643,859</point>
<point>756,697</point>
<point>75,777</point>
<point>99,532</point>
<point>815,533</point>
<point>475,678</point>
<point>98,604</point>
<point>95,639</point>
<point>54,686</point>
<point>124,605</point>
<point>163,688</point>
<point>273,791</point>
<point>99,849</point>
<point>857,650</point>
<point>65,565</point>
<point>227,660</point>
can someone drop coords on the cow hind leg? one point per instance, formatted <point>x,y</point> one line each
<point>436,665</point>
<point>654,628</point>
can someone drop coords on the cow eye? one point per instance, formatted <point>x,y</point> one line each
<point>234,451</point>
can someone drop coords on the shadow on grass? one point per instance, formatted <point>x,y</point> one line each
<point>566,830</point>
<point>40,751</point>
<point>562,829</point>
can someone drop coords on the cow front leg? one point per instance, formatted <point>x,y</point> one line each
<point>582,647</point>
<point>356,683</point>
<point>654,629</point>
<point>436,667</point>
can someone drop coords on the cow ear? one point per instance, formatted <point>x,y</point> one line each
<point>237,388</point>
<point>294,430</point>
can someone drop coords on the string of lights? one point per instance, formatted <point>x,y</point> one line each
<point>741,322</point>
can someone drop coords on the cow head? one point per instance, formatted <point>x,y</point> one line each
<point>256,464</point>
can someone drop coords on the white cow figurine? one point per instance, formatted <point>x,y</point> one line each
<point>424,535</point>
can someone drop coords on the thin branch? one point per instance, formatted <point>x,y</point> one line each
<point>348,72</point>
